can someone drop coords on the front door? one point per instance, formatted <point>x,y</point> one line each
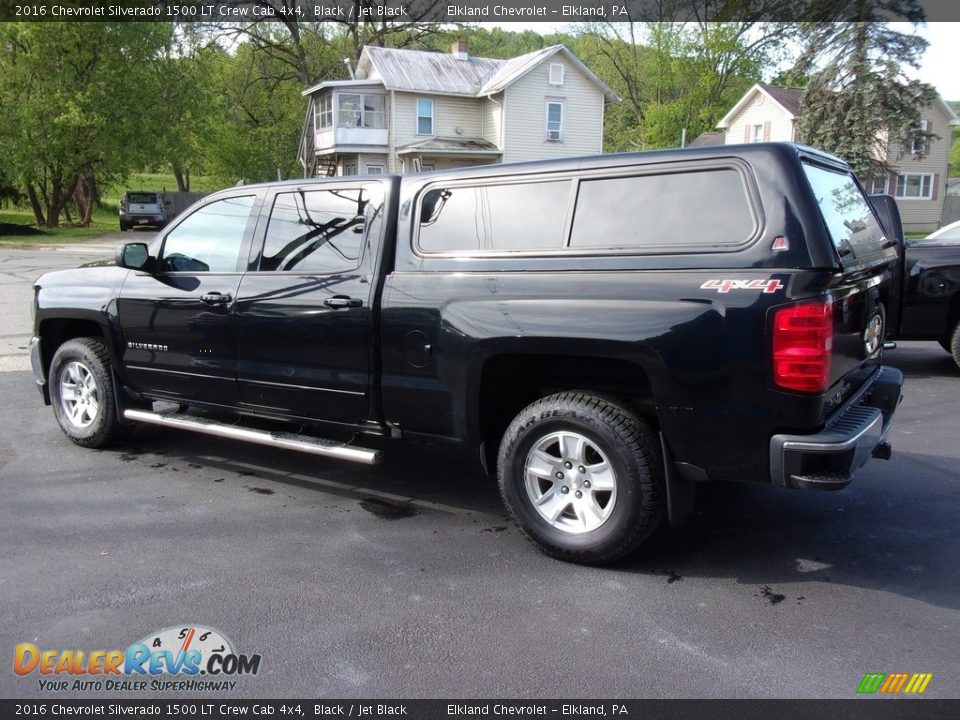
<point>177,322</point>
<point>304,320</point>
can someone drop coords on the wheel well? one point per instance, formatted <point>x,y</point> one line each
<point>55,332</point>
<point>511,382</point>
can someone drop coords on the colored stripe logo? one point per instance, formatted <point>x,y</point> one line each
<point>894,683</point>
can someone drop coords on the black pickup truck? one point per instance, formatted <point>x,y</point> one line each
<point>604,332</point>
<point>925,296</point>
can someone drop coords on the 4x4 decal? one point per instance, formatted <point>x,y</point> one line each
<point>724,286</point>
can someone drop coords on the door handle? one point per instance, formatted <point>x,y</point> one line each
<point>342,301</point>
<point>216,298</point>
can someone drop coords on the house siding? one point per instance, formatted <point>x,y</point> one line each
<point>761,109</point>
<point>524,132</point>
<point>920,215</point>
<point>449,114</point>
<point>492,120</point>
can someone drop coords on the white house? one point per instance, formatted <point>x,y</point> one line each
<point>412,110</point>
<point>769,113</point>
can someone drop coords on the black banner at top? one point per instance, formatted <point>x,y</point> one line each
<point>372,709</point>
<point>457,11</point>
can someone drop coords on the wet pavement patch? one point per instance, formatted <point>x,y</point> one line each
<point>498,528</point>
<point>261,491</point>
<point>770,595</point>
<point>387,510</point>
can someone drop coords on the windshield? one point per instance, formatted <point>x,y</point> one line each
<point>846,212</point>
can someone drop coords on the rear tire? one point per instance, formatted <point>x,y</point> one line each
<point>582,477</point>
<point>954,348</point>
<point>81,392</point>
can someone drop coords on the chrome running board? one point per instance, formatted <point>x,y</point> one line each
<point>285,440</point>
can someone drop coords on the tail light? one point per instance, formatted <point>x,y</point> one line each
<point>802,344</point>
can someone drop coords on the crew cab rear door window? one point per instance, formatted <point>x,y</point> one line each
<point>319,231</point>
<point>664,212</point>
<point>846,212</point>
<point>494,217</point>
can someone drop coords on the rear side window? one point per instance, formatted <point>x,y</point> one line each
<point>667,211</point>
<point>846,212</point>
<point>319,231</point>
<point>510,217</point>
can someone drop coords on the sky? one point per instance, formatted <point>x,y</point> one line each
<point>939,66</point>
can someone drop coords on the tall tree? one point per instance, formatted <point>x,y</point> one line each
<point>70,94</point>
<point>676,76</point>
<point>860,104</point>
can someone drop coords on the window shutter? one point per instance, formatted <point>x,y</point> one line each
<point>766,131</point>
<point>927,141</point>
<point>746,133</point>
<point>933,190</point>
<point>892,184</point>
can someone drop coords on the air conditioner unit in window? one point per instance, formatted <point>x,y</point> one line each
<point>553,135</point>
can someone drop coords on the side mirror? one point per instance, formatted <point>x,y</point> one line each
<point>133,256</point>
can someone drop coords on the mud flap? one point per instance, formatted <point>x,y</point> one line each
<point>680,493</point>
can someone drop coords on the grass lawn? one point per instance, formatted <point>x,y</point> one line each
<point>103,222</point>
<point>104,218</point>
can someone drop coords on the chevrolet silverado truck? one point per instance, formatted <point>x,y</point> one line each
<point>925,296</point>
<point>604,333</point>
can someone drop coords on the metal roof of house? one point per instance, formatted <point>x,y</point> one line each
<point>444,74</point>
<point>421,71</point>
<point>478,146</point>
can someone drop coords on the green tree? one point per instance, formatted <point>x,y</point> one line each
<point>676,76</point>
<point>859,101</point>
<point>253,131</point>
<point>71,95</point>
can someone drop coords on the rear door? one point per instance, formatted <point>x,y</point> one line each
<point>304,315</point>
<point>177,322</point>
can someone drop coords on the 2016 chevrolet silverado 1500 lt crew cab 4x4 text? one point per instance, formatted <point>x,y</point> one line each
<point>606,332</point>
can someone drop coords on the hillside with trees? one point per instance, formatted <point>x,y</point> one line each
<point>86,104</point>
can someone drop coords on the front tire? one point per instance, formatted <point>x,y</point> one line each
<point>582,477</point>
<point>81,392</point>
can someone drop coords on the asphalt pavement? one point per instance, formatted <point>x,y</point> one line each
<point>406,579</point>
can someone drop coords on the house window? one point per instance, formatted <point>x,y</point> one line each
<point>556,74</point>
<point>424,116</point>
<point>349,168</point>
<point>918,186</point>
<point>918,146</point>
<point>877,185</point>
<point>756,133</point>
<point>374,169</point>
<point>323,112</point>
<point>554,121</point>
<point>359,110</point>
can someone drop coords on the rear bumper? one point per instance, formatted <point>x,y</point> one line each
<point>826,460</point>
